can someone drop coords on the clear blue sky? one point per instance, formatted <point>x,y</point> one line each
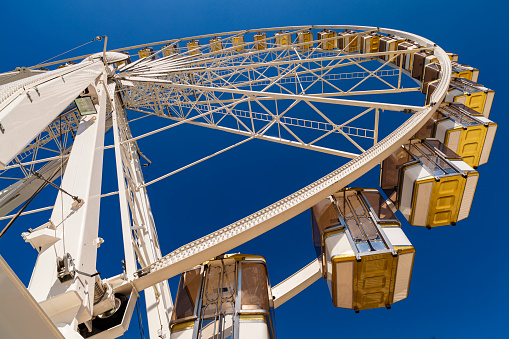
<point>460,273</point>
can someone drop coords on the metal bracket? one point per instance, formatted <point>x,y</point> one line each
<point>65,268</point>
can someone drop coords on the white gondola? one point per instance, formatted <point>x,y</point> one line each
<point>227,297</point>
<point>466,92</point>
<point>430,184</point>
<point>366,258</point>
<point>328,39</point>
<point>463,130</point>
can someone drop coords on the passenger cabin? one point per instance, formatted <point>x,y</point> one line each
<point>406,60</point>
<point>389,43</point>
<point>328,39</point>
<point>283,38</point>
<point>348,41</point>
<point>366,258</point>
<point>227,297</point>
<point>419,63</point>
<point>463,130</point>
<point>238,43</point>
<point>146,52</point>
<point>370,42</point>
<point>193,47</point>
<point>216,44</point>
<point>432,72</point>
<point>260,40</point>
<point>430,184</point>
<point>123,62</point>
<point>305,40</point>
<point>466,92</point>
<point>169,49</point>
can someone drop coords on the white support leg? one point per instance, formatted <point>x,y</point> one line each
<point>158,298</point>
<point>74,229</point>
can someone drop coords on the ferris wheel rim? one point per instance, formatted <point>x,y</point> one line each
<point>275,214</point>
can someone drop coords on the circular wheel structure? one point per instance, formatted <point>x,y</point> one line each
<point>305,87</point>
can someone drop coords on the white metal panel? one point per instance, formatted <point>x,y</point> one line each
<point>403,276</point>
<point>20,315</point>
<point>344,284</point>
<point>488,143</point>
<point>468,196</point>
<point>454,140</point>
<point>487,106</point>
<point>442,128</point>
<point>186,333</point>
<point>39,106</point>
<point>338,244</point>
<point>396,236</point>
<point>422,202</point>
<point>253,330</point>
<point>410,175</point>
<point>462,165</point>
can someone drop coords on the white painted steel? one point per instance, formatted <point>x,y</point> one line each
<point>403,276</point>
<point>20,314</point>
<point>71,302</point>
<point>296,283</point>
<point>39,99</point>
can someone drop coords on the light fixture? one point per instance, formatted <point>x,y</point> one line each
<point>85,105</point>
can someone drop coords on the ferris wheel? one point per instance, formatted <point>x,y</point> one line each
<point>319,88</point>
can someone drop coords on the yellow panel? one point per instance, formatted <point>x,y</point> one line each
<point>375,43</point>
<point>182,326</point>
<point>475,101</point>
<point>252,317</point>
<point>471,144</point>
<point>445,200</point>
<point>375,275</point>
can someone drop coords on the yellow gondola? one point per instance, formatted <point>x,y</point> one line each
<point>227,297</point>
<point>238,42</point>
<point>430,184</point>
<point>283,38</point>
<point>146,52</point>
<point>260,40</point>
<point>370,42</point>
<point>349,41</point>
<point>366,258</point>
<point>432,72</point>
<point>305,38</point>
<point>327,39</point>
<point>216,44</point>
<point>463,130</point>
<point>169,49</point>
<point>389,43</point>
<point>193,47</point>
<point>466,92</point>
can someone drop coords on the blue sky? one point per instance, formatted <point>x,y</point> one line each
<point>460,274</point>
